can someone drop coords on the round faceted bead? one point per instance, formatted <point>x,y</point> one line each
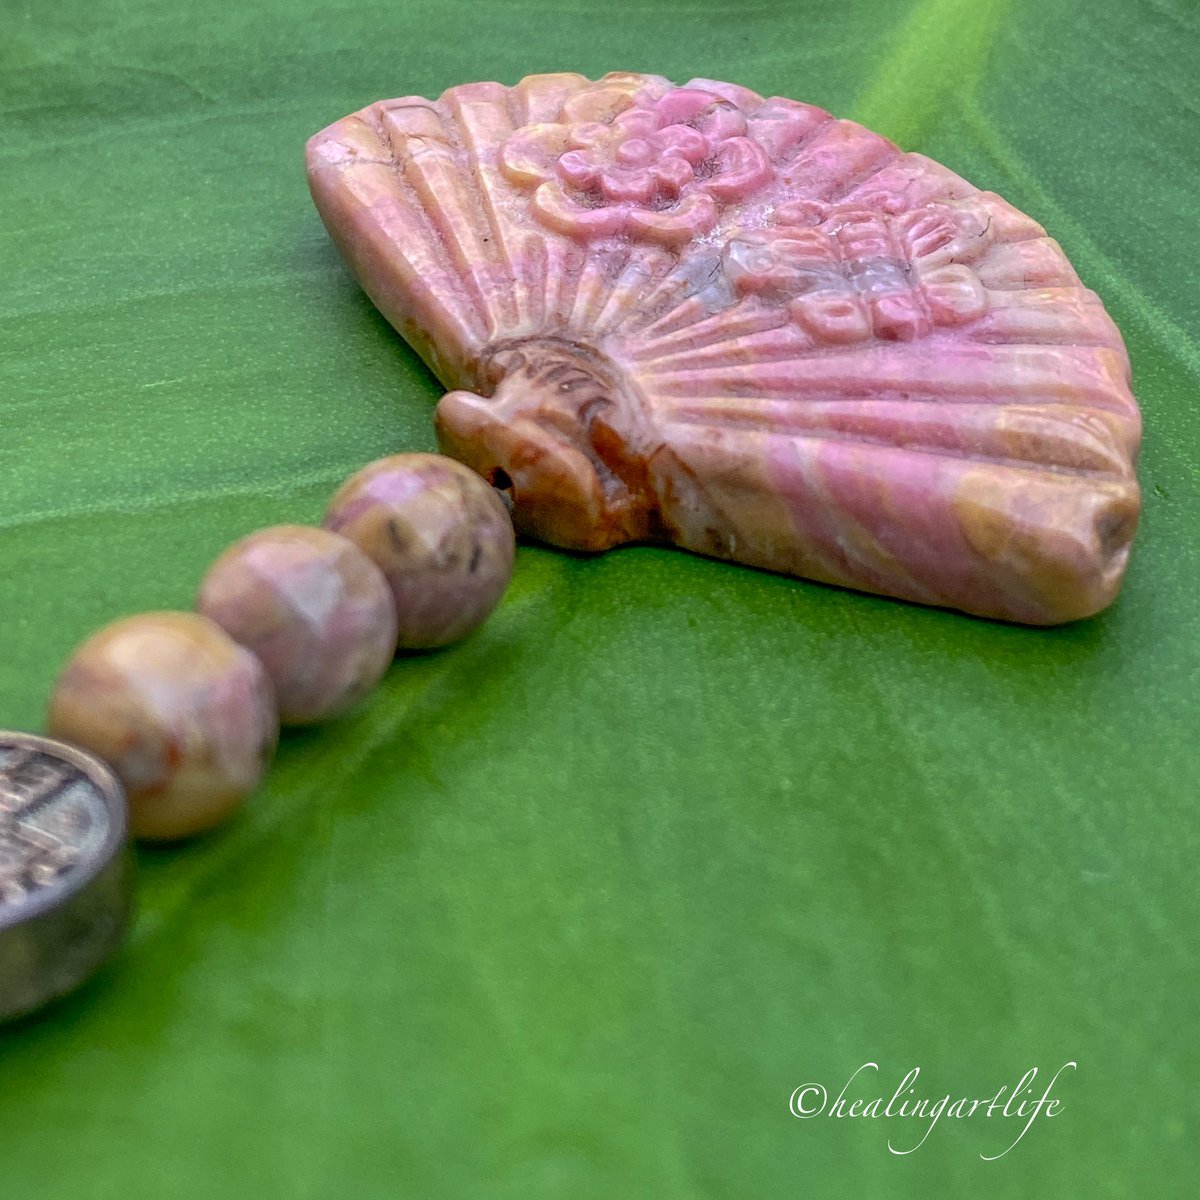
<point>182,713</point>
<point>441,535</point>
<point>314,608</point>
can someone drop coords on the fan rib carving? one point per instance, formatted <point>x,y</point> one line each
<point>748,328</point>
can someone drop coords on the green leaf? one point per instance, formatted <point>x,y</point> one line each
<point>570,909</point>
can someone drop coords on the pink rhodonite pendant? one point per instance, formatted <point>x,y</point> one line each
<point>744,327</point>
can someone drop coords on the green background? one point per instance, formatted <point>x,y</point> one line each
<point>570,909</point>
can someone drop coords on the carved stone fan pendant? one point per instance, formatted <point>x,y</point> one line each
<point>744,327</point>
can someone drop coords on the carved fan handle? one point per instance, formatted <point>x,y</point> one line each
<point>545,436</point>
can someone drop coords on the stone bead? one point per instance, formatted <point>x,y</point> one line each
<point>314,608</point>
<point>440,534</point>
<point>182,713</point>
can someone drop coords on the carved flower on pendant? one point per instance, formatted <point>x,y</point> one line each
<point>846,273</point>
<point>655,170</point>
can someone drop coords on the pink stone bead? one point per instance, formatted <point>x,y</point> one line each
<point>314,608</point>
<point>182,713</point>
<point>441,536</point>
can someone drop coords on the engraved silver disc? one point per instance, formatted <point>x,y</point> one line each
<point>65,872</point>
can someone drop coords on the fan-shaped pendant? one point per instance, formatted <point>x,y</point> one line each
<point>741,326</point>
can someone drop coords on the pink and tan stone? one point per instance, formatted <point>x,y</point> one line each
<point>441,536</point>
<point>315,610</point>
<point>742,326</point>
<point>183,715</point>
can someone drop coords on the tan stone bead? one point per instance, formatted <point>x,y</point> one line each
<point>183,714</point>
<point>441,535</point>
<point>314,608</point>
